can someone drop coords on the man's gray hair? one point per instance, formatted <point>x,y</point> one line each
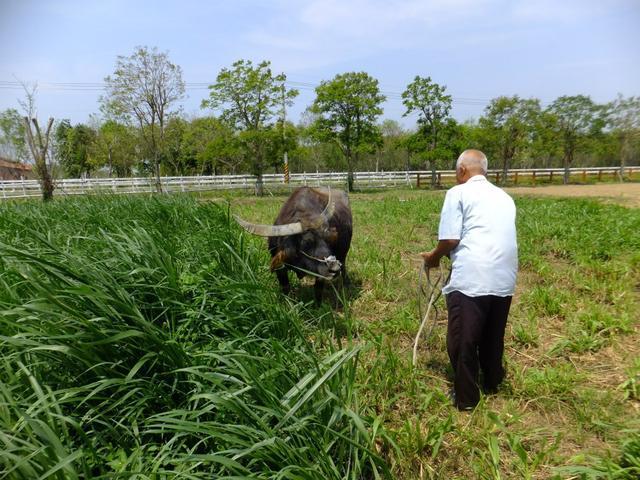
<point>473,158</point>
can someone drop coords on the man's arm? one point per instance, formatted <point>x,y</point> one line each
<point>444,247</point>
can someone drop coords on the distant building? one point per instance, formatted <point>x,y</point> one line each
<point>10,170</point>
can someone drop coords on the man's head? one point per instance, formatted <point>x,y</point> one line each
<point>470,162</point>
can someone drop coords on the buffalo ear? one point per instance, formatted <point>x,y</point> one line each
<point>278,260</point>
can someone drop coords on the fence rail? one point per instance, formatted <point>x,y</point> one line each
<point>77,186</point>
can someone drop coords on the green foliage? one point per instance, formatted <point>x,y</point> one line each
<point>578,117</point>
<point>74,148</point>
<point>508,124</point>
<point>210,145</point>
<point>249,98</point>
<point>347,108</point>
<point>144,337</point>
<point>12,136</point>
<point>114,148</point>
<point>429,100</point>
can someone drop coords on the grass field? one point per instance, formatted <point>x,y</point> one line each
<point>145,336</point>
<point>570,405</point>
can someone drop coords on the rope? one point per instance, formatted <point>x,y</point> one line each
<point>431,291</point>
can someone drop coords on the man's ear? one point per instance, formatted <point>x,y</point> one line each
<point>278,260</point>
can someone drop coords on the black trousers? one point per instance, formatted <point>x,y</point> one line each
<point>475,339</point>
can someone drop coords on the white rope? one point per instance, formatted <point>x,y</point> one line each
<point>432,291</point>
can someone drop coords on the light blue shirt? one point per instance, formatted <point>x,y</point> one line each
<point>482,216</point>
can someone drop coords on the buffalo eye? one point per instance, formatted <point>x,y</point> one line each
<point>307,241</point>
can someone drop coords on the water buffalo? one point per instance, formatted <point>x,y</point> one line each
<point>311,235</point>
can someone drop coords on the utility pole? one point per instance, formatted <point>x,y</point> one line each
<point>284,138</point>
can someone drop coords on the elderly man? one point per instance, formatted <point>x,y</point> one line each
<point>477,229</point>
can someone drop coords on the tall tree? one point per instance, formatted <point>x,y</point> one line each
<point>510,122</point>
<point>433,105</point>
<point>250,98</point>
<point>624,118</point>
<point>578,117</point>
<point>145,87</point>
<point>347,108</point>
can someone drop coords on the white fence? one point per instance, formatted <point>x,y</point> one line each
<point>76,186</point>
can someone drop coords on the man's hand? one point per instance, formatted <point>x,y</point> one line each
<point>431,260</point>
<point>444,247</point>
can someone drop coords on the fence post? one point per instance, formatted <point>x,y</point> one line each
<point>516,178</point>
<point>551,176</point>
<point>599,175</point>
<point>533,178</point>
<point>497,178</point>
<point>584,175</point>
<point>418,180</point>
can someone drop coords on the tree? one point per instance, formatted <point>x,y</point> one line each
<point>510,122</point>
<point>250,97</point>
<point>174,162</point>
<point>578,117</point>
<point>114,146</point>
<point>144,87</point>
<point>38,143</point>
<point>281,139</point>
<point>545,147</point>
<point>74,147</point>
<point>211,145</point>
<point>392,155</point>
<point>347,108</point>
<point>313,152</point>
<point>429,100</point>
<point>12,136</point>
<point>624,118</point>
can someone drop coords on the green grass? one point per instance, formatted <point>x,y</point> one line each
<point>142,337</point>
<point>570,398</point>
<point>216,373</point>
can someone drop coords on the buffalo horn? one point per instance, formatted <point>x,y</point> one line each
<point>327,213</point>
<point>270,230</point>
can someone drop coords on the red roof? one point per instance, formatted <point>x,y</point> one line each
<point>15,165</point>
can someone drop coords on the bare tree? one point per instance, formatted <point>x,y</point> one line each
<point>38,143</point>
<point>144,86</point>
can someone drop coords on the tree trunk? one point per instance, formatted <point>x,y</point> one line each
<point>434,175</point>
<point>156,167</point>
<point>623,156</point>
<point>349,171</point>
<point>505,171</point>
<point>259,185</point>
<point>39,153</point>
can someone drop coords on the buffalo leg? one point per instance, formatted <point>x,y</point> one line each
<point>283,279</point>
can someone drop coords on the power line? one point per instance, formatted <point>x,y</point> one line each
<point>191,86</point>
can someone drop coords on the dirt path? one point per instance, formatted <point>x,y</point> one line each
<point>627,194</point>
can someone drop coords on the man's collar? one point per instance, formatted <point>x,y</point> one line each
<point>477,178</point>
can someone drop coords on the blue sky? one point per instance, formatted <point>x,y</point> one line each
<point>479,49</point>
